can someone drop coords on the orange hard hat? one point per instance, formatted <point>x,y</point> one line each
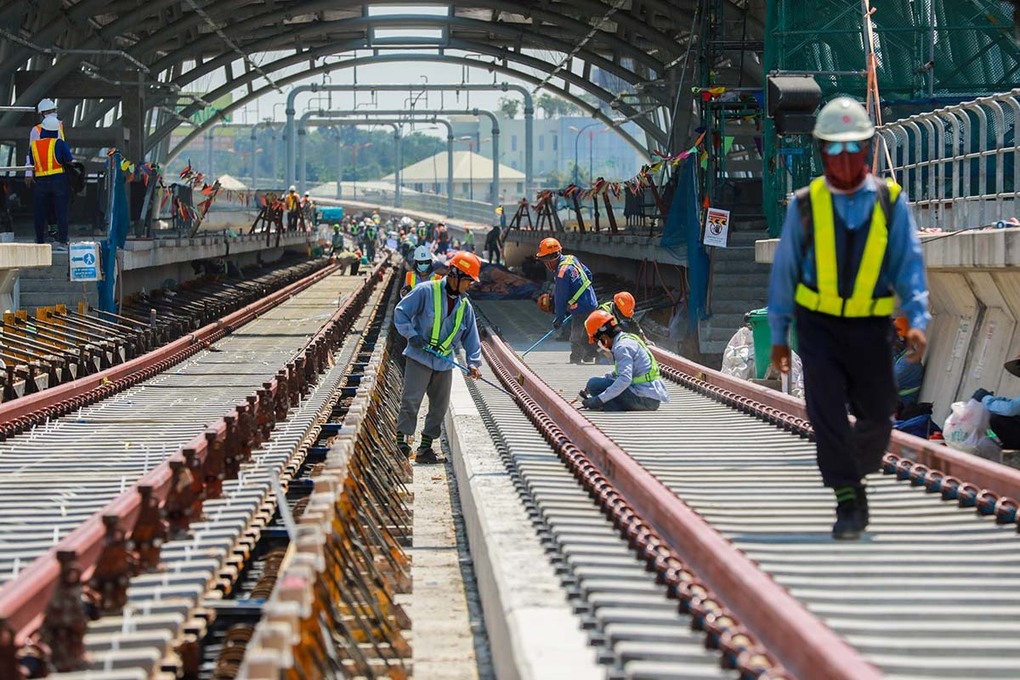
<point>548,246</point>
<point>902,325</point>
<point>624,302</point>
<point>468,263</point>
<point>597,322</point>
<point>545,302</point>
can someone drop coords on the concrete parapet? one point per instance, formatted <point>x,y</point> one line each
<point>532,631</point>
<point>520,243</point>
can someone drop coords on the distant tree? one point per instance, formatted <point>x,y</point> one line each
<point>509,107</point>
<point>548,104</point>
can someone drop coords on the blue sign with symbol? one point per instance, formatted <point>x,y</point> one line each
<point>83,260</point>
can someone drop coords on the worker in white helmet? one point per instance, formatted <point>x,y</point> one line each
<point>292,204</point>
<point>50,155</point>
<point>46,109</point>
<point>849,247</point>
<point>421,268</point>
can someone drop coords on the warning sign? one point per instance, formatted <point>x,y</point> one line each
<point>717,228</point>
<point>83,261</point>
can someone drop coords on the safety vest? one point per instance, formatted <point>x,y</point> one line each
<point>653,372</point>
<point>437,319</point>
<point>44,156</point>
<point>60,130</point>
<point>411,278</point>
<point>571,261</point>
<point>610,307</point>
<point>862,301</point>
<point>292,202</point>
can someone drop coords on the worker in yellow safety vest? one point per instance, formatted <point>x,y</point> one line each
<point>622,308</point>
<point>573,296</point>
<point>52,192</point>
<point>434,317</point>
<point>634,384</point>
<point>849,245</point>
<point>421,269</point>
<point>292,204</point>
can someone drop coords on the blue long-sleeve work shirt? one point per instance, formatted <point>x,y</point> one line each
<point>414,314</point>
<point>1002,406</point>
<point>568,280</point>
<point>632,360</point>
<point>903,267</point>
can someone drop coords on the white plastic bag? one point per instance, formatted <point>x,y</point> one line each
<point>738,357</point>
<point>965,425</point>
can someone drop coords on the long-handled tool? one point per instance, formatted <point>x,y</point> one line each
<point>467,370</point>
<point>542,339</point>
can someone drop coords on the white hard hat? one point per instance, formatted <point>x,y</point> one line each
<point>308,193</point>
<point>51,124</point>
<point>292,188</point>
<point>422,254</point>
<point>46,105</point>
<point>843,120</point>
<point>421,224</point>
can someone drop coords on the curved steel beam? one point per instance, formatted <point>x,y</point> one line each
<point>656,134</point>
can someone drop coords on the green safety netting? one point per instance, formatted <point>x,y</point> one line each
<point>930,53</point>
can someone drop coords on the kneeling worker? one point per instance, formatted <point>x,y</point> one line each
<point>433,318</point>
<point>422,269</point>
<point>634,384</point>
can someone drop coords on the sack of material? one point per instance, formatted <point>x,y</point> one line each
<point>966,425</point>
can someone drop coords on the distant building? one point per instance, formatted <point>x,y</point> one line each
<point>609,155</point>
<point>472,177</point>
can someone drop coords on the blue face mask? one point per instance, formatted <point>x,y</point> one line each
<point>422,267</point>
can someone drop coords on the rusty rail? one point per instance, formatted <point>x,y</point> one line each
<point>803,644</point>
<point>163,502</point>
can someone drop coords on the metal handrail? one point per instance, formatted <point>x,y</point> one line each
<point>957,164</point>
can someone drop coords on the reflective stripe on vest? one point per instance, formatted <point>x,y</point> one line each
<point>60,131</point>
<point>411,278</point>
<point>44,156</point>
<point>571,261</point>
<point>826,299</point>
<point>653,372</point>
<point>437,319</point>
<point>610,307</point>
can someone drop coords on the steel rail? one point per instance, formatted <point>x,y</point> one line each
<point>801,642</point>
<point>178,485</point>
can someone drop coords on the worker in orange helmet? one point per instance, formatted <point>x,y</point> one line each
<point>573,295</point>
<point>622,308</point>
<point>634,383</point>
<point>435,317</point>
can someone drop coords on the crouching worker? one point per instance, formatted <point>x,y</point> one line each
<point>634,384</point>
<point>434,317</point>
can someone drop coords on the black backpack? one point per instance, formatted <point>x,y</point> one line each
<point>75,171</point>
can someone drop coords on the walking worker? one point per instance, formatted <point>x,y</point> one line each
<point>622,308</point>
<point>337,243</point>
<point>292,204</point>
<point>422,268</point>
<point>49,155</point>
<point>849,242</point>
<point>493,248</point>
<point>634,383</point>
<point>435,317</point>
<point>573,296</point>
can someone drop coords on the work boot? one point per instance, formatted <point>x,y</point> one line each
<point>862,503</point>
<point>403,445</point>
<point>851,513</point>
<point>427,457</point>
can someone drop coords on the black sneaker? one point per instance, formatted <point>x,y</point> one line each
<point>405,450</point>
<point>851,520</point>
<point>427,457</point>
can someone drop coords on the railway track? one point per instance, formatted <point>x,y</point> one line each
<point>718,520</point>
<point>149,500</point>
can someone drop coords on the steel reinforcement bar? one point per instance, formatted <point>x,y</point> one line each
<point>163,502</point>
<point>718,578</point>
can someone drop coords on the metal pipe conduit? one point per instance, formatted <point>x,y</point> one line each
<point>800,641</point>
<point>529,117</point>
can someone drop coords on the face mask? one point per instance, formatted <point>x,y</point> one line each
<point>846,170</point>
<point>422,267</point>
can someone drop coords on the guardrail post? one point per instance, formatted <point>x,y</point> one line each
<point>114,568</point>
<point>150,531</point>
<point>65,621</point>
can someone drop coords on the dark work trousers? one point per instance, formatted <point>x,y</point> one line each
<point>580,348</point>
<point>420,380</point>
<point>292,216</point>
<point>1007,429</point>
<point>51,194</point>
<point>847,362</point>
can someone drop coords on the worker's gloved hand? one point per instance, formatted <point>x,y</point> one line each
<point>557,322</point>
<point>405,290</point>
<point>416,341</point>
<point>592,403</point>
<point>980,393</point>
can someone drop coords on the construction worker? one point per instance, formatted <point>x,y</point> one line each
<point>292,204</point>
<point>421,269</point>
<point>435,317</point>
<point>337,244</point>
<point>573,296</point>
<point>634,383</point>
<point>46,109</point>
<point>622,308</point>
<point>469,240</point>
<point>493,248</point>
<point>308,209</point>
<point>369,234</point>
<point>849,242</point>
<point>49,155</point>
